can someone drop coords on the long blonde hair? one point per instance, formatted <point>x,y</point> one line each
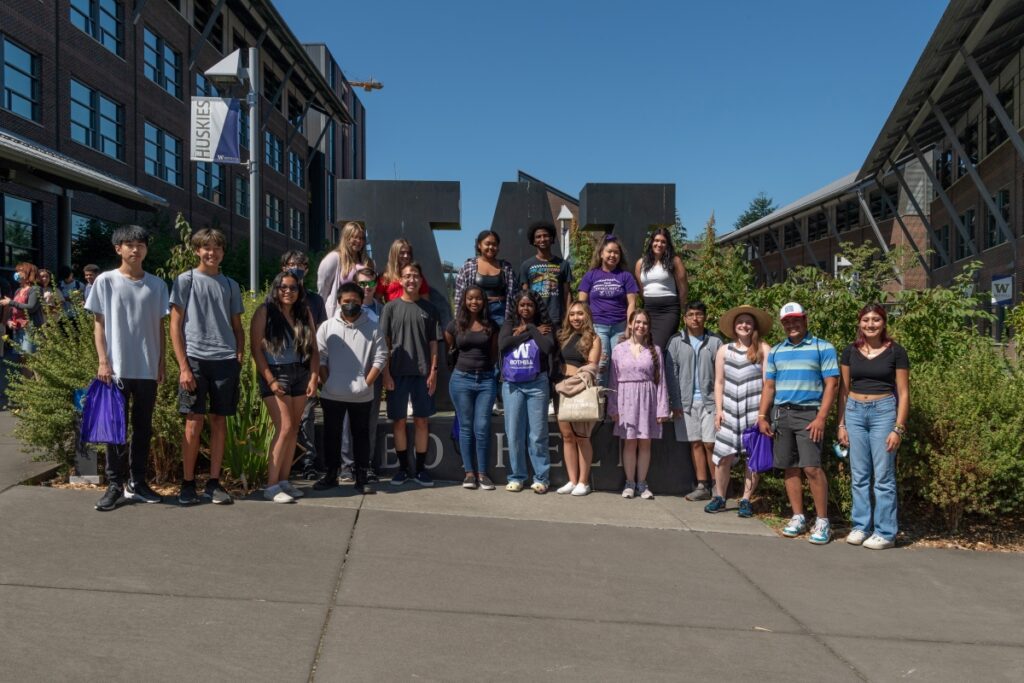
<point>586,332</point>
<point>647,342</point>
<point>393,273</point>
<point>348,260</point>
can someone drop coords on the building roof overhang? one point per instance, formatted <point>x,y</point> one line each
<point>22,156</point>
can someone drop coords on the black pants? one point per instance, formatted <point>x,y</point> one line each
<point>359,422</point>
<point>139,401</point>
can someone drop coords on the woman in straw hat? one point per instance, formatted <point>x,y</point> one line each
<point>739,378</point>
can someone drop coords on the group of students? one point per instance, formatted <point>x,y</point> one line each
<point>368,332</point>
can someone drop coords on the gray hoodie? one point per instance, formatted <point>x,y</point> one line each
<point>683,363</point>
<point>348,351</point>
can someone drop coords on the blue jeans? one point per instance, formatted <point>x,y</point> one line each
<point>609,336</point>
<point>868,424</point>
<point>473,395</point>
<point>526,424</point>
<point>496,312</point>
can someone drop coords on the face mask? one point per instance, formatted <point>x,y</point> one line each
<point>298,273</point>
<point>17,276</point>
<point>351,310</point>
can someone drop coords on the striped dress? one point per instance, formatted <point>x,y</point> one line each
<point>740,401</point>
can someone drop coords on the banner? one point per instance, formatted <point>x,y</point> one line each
<point>214,130</point>
<point>1002,290</point>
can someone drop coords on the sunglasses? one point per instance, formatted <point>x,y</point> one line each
<point>368,284</point>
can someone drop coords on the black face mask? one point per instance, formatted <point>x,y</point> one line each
<point>351,310</point>
<point>296,272</point>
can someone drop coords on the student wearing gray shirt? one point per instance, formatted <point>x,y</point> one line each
<point>206,333</point>
<point>129,306</point>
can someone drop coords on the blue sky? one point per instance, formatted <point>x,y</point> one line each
<point>724,99</point>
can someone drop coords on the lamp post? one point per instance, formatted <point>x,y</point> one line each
<point>230,72</point>
<point>564,221</point>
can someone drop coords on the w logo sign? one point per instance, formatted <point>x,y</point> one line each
<point>522,352</point>
<point>1002,290</point>
<point>522,363</point>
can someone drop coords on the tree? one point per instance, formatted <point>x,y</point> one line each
<point>760,206</point>
<point>719,276</point>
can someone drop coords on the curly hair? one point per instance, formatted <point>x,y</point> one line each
<point>668,262</point>
<point>587,333</point>
<point>277,331</point>
<point>647,342</point>
<point>540,316</point>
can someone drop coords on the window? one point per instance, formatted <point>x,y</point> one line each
<point>962,250</point>
<point>272,219</point>
<point>163,155</point>
<point>847,215</point>
<point>81,225</point>
<point>995,134</point>
<point>271,86</point>
<point>96,120</point>
<point>21,221</point>
<point>205,87</point>
<point>296,169</point>
<point>771,244</point>
<point>211,184</point>
<point>298,224</point>
<point>790,236</point>
<point>296,114</point>
<point>817,227</point>
<point>202,11</point>
<point>101,19</point>
<point>969,139</point>
<point>879,209</point>
<point>943,235</point>
<point>272,151</point>
<point>20,80</point>
<point>1002,202</point>
<point>162,64</point>
<point>944,167</point>
<point>242,196</point>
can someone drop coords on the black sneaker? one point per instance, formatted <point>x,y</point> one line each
<point>187,495</point>
<point>139,492</point>
<point>365,489</point>
<point>110,499</point>
<point>346,476</point>
<point>216,494</point>
<point>424,479</point>
<point>371,475</point>
<point>328,481</point>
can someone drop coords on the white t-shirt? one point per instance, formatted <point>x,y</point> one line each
<point>133,311</point>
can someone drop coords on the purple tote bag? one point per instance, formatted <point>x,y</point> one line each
<point>103,414</point>
<point>759,449</point>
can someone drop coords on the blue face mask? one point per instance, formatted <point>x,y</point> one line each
<point>298,273</point>
<point>17,276</point>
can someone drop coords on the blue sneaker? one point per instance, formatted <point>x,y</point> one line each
<point>401,476</point>
<point>424,479</point>
<point>797,525</point>
<point>746,510</point>
<point>717,504</point>
<point>822,532</point>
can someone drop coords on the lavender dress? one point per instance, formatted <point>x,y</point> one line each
<point>635,398</point>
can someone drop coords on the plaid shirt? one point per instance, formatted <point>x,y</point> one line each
<point>467,276</point>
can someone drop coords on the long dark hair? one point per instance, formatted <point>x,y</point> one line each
<point>880,310</point>
<point>484,234</point>
<point>668,262</point>
<point>464,317</point>
<point>647,342</point>
<point>277,331</point>
<point>596,260</point>
<point>540,317</point>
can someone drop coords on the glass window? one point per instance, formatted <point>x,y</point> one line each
<point>296,169</point>
<point>272,218</point>
<point>1002,202</point>
<point>296,114</point>
<point>995,133</point>
<point>817,226</point>
<point>20,80</point>
<point>163,155</point>
<point>962,250</point>
<point>272,151</point>
<point>943,235</point>
<point>790,236</point>
<point>242,196</point>
<point>96,120</point>
<point>243,127</point>
<point>21,223</point>
<point>205,87</point>
<point>969,139</point>
<point>211,183</point>
<point>298,224</point>
<point>102,20</point>
<point>161,63</point>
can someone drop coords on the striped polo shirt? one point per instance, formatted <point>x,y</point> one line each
<point>799,370</point>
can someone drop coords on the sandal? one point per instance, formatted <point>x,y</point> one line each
<point>514,486</point>
<point>539,488</point>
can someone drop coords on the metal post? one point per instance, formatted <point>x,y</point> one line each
<point>903,226</point>
<point>803,239</point>
<point>255,159</point>
<point>64,225</point>
<point>920,212</point>
<point>831,220</point>
<point>993,102</point>
<point>954,217</point>
<point>874,227</point>
<point>757,253</point>
<point>207,29</point>
<point>782,252</point>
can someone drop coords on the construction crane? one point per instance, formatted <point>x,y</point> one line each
<point>368,86</point>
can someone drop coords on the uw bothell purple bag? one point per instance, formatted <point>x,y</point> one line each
<point>521,363</point>
<point>103,414</point>
<point>759,449</point>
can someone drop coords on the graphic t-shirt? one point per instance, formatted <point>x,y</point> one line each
<point>606,294</point>
<point>549,280</point>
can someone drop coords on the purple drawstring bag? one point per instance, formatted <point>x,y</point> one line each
<point>521,363</point>
<point>759,448</point>
<point>103,414</point>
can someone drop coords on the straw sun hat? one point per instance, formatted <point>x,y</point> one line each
<point>763,320</point>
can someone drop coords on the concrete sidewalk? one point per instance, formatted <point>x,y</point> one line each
<point>447,584</point>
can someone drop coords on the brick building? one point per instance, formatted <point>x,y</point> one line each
<point>94,123</point>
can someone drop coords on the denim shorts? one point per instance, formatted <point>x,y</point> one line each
<point>292,377</point>
<point>216,384</point>
<point>410,387</point>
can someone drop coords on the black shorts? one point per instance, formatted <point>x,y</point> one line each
<point>216,385</point>
<point>292,377</point>
<point>793,445</point>
<point>414,388</point>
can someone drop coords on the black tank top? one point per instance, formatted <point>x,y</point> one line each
<point>493,285</point>
<point>571,352</point>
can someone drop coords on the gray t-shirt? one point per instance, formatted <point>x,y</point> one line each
<point>209,302</point>
<point>409,327</point>
<point>133,311</point>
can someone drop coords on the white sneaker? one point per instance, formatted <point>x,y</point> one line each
<point>567,488</point>
<point>287,487</point>
<point>276,494</point>
<point>581,489</point>
<point>876,542</point>
<point>857,537</point>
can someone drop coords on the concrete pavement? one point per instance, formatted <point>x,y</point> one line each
<point>447,584</point>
